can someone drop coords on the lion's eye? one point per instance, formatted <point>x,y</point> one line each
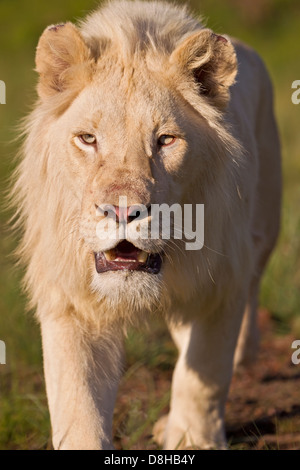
<point>165,140</point>
<point>88,139</point>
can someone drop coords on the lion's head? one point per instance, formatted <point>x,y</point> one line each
<point>129,111</point>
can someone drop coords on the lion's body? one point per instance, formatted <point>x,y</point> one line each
<point>132,72</point>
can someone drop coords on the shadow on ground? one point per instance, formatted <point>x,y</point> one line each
<point>263,408</point>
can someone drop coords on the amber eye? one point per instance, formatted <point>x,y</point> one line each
<point>88,139</point>
<point>165,140</point>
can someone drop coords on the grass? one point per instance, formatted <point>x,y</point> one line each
<point>272,28</point>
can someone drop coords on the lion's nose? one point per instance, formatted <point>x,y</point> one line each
<point>123,214</point>
<point>128,214</point>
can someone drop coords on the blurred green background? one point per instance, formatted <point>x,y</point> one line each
<point>272,28</point>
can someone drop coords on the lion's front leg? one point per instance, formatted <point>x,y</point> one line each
<point>81,381</point>
<point>201,381</point>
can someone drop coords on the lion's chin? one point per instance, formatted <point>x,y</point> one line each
<point>135,290</point>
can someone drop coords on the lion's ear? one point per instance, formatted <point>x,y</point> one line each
<point>211,59</point>
<point>61,56</point>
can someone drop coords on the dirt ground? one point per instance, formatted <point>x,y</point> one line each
<point>263,409</point>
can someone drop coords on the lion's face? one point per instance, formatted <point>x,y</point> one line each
<point>127,137</point>
<point>126,133</point>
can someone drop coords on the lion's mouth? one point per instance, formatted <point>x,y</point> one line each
<point>125,256</point>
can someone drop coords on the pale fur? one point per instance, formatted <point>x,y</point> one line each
<point>126,71</point>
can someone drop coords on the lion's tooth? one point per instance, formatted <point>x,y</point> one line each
<point>142,256</point>
<point>110,255</point>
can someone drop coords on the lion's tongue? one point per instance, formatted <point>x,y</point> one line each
<point>125,251</point>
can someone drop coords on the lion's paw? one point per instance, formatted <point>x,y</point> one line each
<point>159,430</point>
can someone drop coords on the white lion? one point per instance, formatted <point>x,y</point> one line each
<point>143,102</point>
